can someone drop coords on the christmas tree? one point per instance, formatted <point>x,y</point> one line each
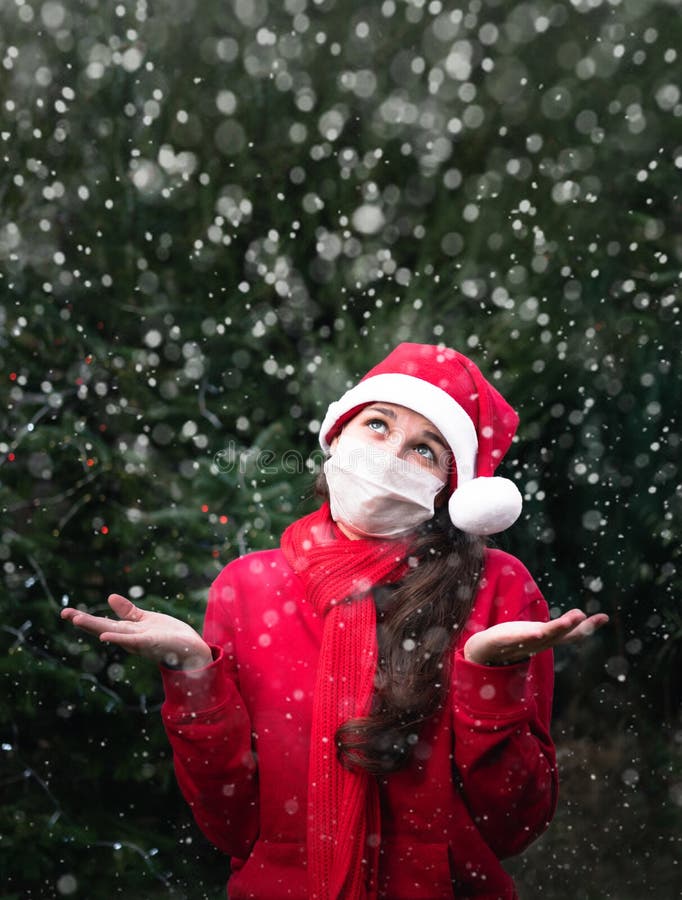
<point>217,216</point>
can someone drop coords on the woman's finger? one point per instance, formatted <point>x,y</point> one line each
<point>127,640</point>
<point>585,628</point>
<point>68,613</point>
<point>566,622</point>
<point>574,625</point>
<point>99,624</point>
<point>537,636</point>
<point>124,609</point>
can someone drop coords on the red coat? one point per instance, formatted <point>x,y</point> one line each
<point>481,785</point>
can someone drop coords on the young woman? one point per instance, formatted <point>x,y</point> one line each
<point>367,713</point>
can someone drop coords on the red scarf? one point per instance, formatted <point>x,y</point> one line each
<point>344,824</point>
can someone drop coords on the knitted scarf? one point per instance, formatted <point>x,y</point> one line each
<point>343,806</point>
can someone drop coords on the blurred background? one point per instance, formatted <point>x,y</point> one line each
<point>216,215</point>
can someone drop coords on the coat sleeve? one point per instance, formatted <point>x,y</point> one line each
<point>209,730</point>
<point>503,751</point>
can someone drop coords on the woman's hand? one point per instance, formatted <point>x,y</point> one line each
<point>156,636</point>
<point>511,642</point>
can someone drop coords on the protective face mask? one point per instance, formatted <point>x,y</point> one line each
<point>377,493</point>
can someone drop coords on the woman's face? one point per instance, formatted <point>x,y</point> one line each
<point>405,433</point>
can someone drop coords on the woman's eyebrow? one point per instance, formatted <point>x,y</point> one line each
<point>437,438</point>
<point>384,411</point>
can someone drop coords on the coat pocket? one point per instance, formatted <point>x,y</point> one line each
<point>410,870</point>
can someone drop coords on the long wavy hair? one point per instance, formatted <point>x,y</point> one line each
<point>417,621</point>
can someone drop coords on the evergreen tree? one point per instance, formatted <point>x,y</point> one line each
<point>214,218</point>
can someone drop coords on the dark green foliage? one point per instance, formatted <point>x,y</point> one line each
<point>215,215</point>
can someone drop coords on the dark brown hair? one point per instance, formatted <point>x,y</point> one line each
<point>417,621</point>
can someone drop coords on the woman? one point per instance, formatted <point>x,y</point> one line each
<point>367,712</point>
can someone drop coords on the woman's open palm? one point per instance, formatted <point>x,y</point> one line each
<point>156,636</point>
<point>510,642</point>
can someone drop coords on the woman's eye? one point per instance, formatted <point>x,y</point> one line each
<point>376,425</point>
<point>425,451</point>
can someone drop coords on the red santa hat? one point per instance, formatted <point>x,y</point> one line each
<point>475,420</point>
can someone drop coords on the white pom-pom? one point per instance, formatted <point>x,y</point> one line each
<point>485,505</point>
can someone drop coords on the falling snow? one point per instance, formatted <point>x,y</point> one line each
<point>214,217</point>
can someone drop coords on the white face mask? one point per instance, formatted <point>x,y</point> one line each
<point>375,492</point>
